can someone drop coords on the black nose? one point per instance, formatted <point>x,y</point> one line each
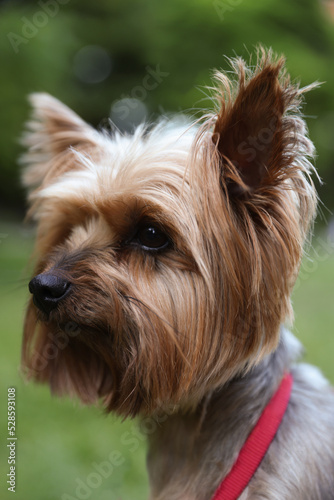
<point>48,290</point>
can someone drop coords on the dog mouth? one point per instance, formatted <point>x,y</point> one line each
<point>73,319</point>
<point>87,329</point>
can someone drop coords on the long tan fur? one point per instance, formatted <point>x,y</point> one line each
<point>144,331</point>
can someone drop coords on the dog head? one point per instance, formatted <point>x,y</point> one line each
<point>165,259</point>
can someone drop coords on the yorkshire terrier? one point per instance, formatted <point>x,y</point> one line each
<point>165,264</point>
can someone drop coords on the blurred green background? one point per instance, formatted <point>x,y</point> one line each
<point>127,61</point>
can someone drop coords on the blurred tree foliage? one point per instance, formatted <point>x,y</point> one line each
<point>177,43</point>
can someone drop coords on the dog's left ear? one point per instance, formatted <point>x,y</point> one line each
<point>52,130</point>
<point>255,140</point>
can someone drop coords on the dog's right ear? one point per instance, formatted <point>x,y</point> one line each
<point>51,131</point>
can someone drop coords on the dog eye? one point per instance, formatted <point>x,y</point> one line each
<point>150,237</point>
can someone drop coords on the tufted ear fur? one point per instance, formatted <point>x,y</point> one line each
<point>257,131</point>
<point>256,195</point>
<point>52,130</point>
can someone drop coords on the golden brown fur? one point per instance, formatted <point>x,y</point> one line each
<point>146,330</point>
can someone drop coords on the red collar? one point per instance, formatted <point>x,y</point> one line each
<point>257,444</point>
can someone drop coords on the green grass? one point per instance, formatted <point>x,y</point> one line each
<point>59,441</point>
<point>313,301</point>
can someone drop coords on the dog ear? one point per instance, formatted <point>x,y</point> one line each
<point>256,141</point>
<point>52,130</point>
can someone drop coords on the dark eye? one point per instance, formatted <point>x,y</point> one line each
<point>150,237</point>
